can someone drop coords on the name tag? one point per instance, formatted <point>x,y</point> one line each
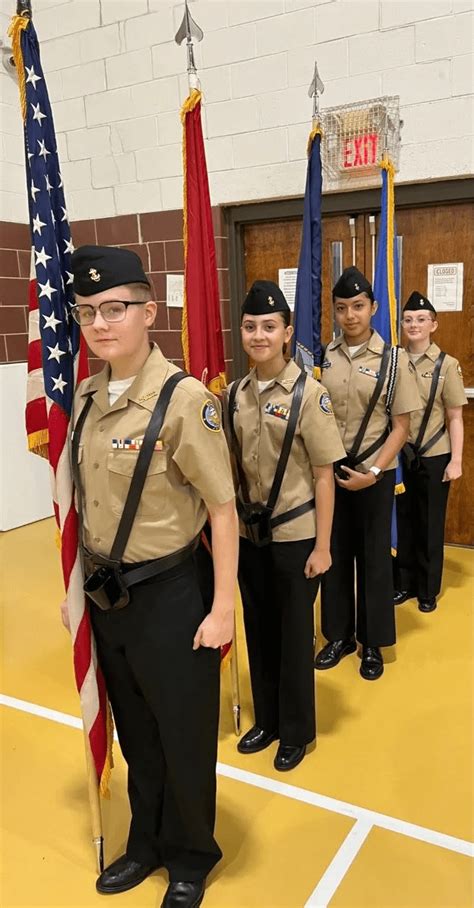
<point>366,371</point>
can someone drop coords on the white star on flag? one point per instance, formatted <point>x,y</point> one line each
<point>69,246</point>
<point>60,184</point>
<point>65,215</point>
<point>70,278</point>
<point>48,184</point>
<point>43,152</point>
<point>41,257</point>
<point>38,224</point>
<point>47,289</point>
<point>50,321</point>
<point>38,113</point>
<point>53,219</point>
<point>59,384</point>
<point>30,156</point>
<point>32,77</point>
<point>34,190</point>
<point>56,353</point>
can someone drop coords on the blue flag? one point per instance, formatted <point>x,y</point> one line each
<point>307,322</point>
<point>387,291</point>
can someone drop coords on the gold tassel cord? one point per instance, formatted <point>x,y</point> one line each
<point>17,26</point>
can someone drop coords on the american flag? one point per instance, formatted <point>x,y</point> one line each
<point>56,362</point>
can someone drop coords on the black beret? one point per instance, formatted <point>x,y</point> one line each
<point>417,302</point>
<point>351,283</point>
<point>97,268</point>
<point>264,298</point>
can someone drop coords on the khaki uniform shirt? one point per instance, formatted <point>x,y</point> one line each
<point>351,382</point>
<point>260,421</point>
<point>190,464</point>
<point>449,393</point>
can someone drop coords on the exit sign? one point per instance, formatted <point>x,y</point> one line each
<point>360,152</point>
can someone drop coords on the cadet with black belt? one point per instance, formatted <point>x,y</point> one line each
<point>431,459</point>
<point>373,392</point>
<point>285,440</point>
<point>151,462</point>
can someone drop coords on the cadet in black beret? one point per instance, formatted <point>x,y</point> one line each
<point>160,651</point>
<point>98,268</point>
<point>367,381</point>
<point>431,459</point>
<point>280,557</point>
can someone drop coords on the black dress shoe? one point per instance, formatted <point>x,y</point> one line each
<point>254,740</point>
<point>184,895</point>
<point>427,605</point>
<point>288,756</point>
<point>401,596</point>
<point>371,666</point>
<point>332,653</point>
<point>123,874</point>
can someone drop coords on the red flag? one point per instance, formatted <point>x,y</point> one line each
<point>203,346</point>
<point>57,361</point>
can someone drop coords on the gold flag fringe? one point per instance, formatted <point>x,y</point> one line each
<point>17,26</point>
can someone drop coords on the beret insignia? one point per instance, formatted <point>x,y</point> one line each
<point>94,275</point>
<point>210,417</point>
<point>325,404</point>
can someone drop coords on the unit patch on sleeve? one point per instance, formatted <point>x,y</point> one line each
<point>278,410</point>
<point>459,370</point>
<point>325,404</point>
<point>210,416</point>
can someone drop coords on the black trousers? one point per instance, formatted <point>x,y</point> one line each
<point>421,515</point>
<point>165,700</point>
<point>279,626</point>
<point>360,539</point>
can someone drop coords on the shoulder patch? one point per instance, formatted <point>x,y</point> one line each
<point>459,370</point>
<point>325,404</point>
<point>210,417</point>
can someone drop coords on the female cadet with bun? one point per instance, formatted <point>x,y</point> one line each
<point>285,440</point>
<point>431,459</point>
<point>373,392</point>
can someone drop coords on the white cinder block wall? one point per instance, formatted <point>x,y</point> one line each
<point>116,80</point>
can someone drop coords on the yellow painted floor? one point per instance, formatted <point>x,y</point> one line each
<point>400,748</point>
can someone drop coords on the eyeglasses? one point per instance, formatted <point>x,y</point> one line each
<point>111,311</point>
<point>416,321</point>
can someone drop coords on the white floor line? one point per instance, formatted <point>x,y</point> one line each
<point>423,834</point>
<point>337,869</point>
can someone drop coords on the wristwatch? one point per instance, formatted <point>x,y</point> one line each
<point>378,473</point>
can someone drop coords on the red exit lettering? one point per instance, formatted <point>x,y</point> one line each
<point>360,151</point>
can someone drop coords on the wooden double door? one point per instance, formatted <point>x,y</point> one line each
<point>426,235</point>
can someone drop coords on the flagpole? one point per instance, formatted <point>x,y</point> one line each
<point>189,30</point>
<point>94,803</point>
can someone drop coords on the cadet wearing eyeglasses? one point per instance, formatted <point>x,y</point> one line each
<point>160,654</point>
<point>431,459</point>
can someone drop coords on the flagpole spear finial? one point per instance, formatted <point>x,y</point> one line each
<point>314,91</point>
<point>188,30</point>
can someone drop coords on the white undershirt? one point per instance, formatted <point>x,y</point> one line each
<point>415,356</point>
<point>353,350</point>
<point>118,387</point>
<point>264,384</point>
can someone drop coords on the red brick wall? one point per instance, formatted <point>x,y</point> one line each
<point>156,237</point>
